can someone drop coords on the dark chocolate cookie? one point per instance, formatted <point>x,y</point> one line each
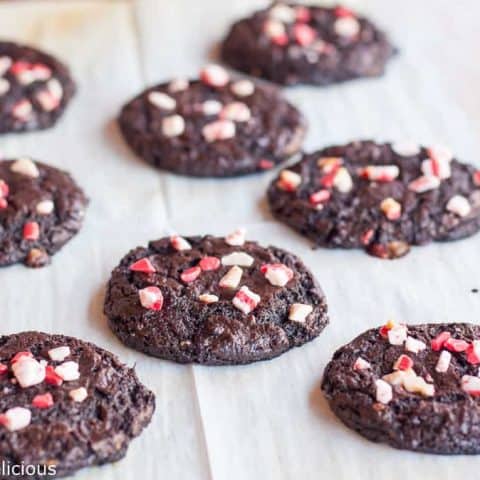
<point>212,127</point>
<point>66,404</point>
<point>383,198</point>
<point>41,208</point>
<point>292,44</point>
<point>214,300</point>
<point>414,387</point>
<point>35,88</point>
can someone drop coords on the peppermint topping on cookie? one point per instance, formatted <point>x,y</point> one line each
<point>391,208</point>
<point>31,231</point>
<point>347,27</point>
<point>50,97</point>
<point>282,13</point>
<point>277,274</point>
<point>232,278</point>
<point>22,110</point>
<point>16,418</point>
<point>304,34</point>
<point>173,126</point>
<point>211,107</point>
<point>404,362</point>
<point>245,300</point>
<point>28,371</point>
<point>343,180</point>
<point>151,298</point>
<point>459,205</point>
<point>5,64</point>
<point>289,181</point>
<point>178,85</point>
<point>424,184</point>
<point>162,100</point>
<point>471,385</point>
<point>406,149</point>
<point>476,178</point>
<point>439,341</point>
<point>383,392</point>
<point>276,31</point>
<point>456,345</point>
<point>28,73</point>
<point>4,86</point>
<point>219,130</point>
<point>25,166</point>
<point>208,298</point>
<point>361,364</point>
<point>236,111</point>
<point>243,88</point>
<point>44,400</point>
<point>236,238</point>
<point>143,265</point>
<point>214,76</point>
<point>208,264</point>
<point>413,345</point>
<point>241,259</point>
<point>396,333</point>
<point>68,371</point>
<point>443,362</point>
<point>59,354</point>
<point>380,173</point>
<point>299,312</point>
<point>320,197</point>
<point>51,377</point>
<point>45,207</point>
<point>473,353</point>
<point>191,274</point>
<point>78,394</point>
<point>179,243</point>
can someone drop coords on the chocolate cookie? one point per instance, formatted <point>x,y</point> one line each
<point>290,44</point>
<point>66,404</point>
<point>212,300</point>
<point>35,88</point>
<point>413,387</point>
<point>212,127</point>
<point>383,198</point>
<point>41,208</point>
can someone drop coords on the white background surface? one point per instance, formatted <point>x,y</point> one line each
<point>268,420</point>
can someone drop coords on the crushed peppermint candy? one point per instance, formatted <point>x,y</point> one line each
<point>329,164</point>
<point>179,243</point>
<point>299,312</point>
<point>51,96</point>
<point>456,345</point>
<point>243,88</point>
<point>459,205</point>
<point>143,265</point>
<point>302,14</point>
<point>45,207</point>
<point>51,377</point>
<point>397,335</point>
<point>191,274</point>
<point>404,362</point>
<point>214,76</point>
<point>22,110</point>
<point>304,34</point>
<point>236,111</point>
<point>173,126</point>
<point>232,278</point>
<point>277,274</point>
<point>476,178</point>
<point>437,168</point>
<point>471,385</point>
<point>59,354</point>
<point>68,371</point>
<point>31,231</point>
<point>78,394</point>
<point>391,208</point>
<point>347,26</point>
<point>44,400</point>
<point>208,264</point>
<point>440,153</point>
<point>241,259</point>
<point>424,184</point>
<point>443,361</point>
<point>211,107</point>
<point>5,64</point>
<point>438,342</point>
<point>282,13</point>
<point>25,166</point>
<point>219,130</point>
<point>276,31</point>
<point>380,173</point>
<point>245,300</point>
<point>178,85</point>
<point>406,149</point>
<point>414,345</point>
<point>28,371</point>
<point>16,418</point>
<point>383,391</point>
<point>343,181</point>
<point>361,364</point>
<point>208,298</point>
<point>473,353</point>
<point>162,100</point>
<point>289,181</point>
<point>320,197</point>
<point>236,238</point>
<point>151,298</point>
<point>4,86</point>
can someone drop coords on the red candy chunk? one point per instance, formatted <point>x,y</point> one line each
<point>214,76</point>
<point>3,204</point>
<point>439,340</point>
<point>404,362</point>
<point>302,14</point>
<point>4,190</point>
<point>455,345</point>
<point>209,263</point>
<point>473,353</point>
<point>43,401</point>
<point>367,237</point>
<point>319,197</point>
<point>304,35</point>
<point>143,265</point>
<point>31,231</point>
<point>3,369</point>
<point>20,355</point>
<point>51,377</point>
<point>280,40</point>
<point>191,274</point>
<point>476,178</point>
<point>343,12</point>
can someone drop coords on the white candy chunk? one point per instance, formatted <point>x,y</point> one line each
<point>398,377</point>
<point>208,298</point>
<point>162,100</point>
<point>416,384</point>
<point>232,278</point>
<point>151,298</point>
<point>343,180</point>
<point>215,76</point>
<point>219,130</point>
<point>212,107</point>
<point>178,85</point>
<point>28,372</point>
<point>55,88</point>
<point>68,371</point>
<point>5,64</point>
<point>413,345</point>
<point>441,153</point>
<point>16,418</point>
<point>245,300</point>
<point>4,86</point>
<point>173,126</point>
<point>406,149</point>
<point>299,312</point>
<point>237,112</point>
<point>443,361</point>
<point>436,168</point>
<point>45,207</point>
<point>361,364</point>
<point>282,13</point>
<point>289,181</point>
<point>471,385</point>
<point>241,259</point>
<point>236,238</point>
<point>277,274</point>
<point>346,26</point>
<point>459,205</point>
<point>397,335</point>
<point>424,184</point>
<point>25,166</point>
<point>274,28</point>
<point>22,110</point>
<point>59,354</point>
<point>243,88</point>
<point>79,394</point>
<point>179,243</point>
<point>383,391</point>
<point>382,173</point>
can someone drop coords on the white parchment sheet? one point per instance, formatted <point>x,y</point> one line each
<point>268,420</point>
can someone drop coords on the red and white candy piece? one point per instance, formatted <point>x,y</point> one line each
<point>31,231</point>
<point>277,274</point>
<point>289,181</point>
<point>28,371</point>
<point>191,274</point>
<point>179,243</point>
<point>471,385</point>
<point>404,362</point>
<point>16,418</point>
<point>282,13</point>
<point>456,345</point>
<point>68,371</point>
<point>151,298</point>
<point>162,100</point>
<point>329,164</point>
<point>236,238</point>
<point>51,377</point>
<point>219,130</point>
<point>361,364</point>
<point>59,354</point>
<point>302,14</point>
<point>45,207</point>
<point>44,400</point>
<point>78,394</point>
<point>440,153</point>
<point>208,298</point>
<point>5,64</point>
<point>178,85</point>
<point>473,353</point>
<point>438,342</point>
<point>343,181</point>
<point>243,88</point>
<point>3,203</point>
<point>342,11</point>
<point>4,189</point>
<point>211,107</point>
<point>214,76</point>
<point>304,34</point>
<point>232,278</point>
<point>143,265</point>
<point>443,362</point>
<point>241,259</point>
<point>27,72</point>
<point>380,173</point>
<point>173,126</point>
<point>276,32</point>
<point>383,391</point>
<point>236,111</point>
<point>476,178</point>
<point>51,96</point>
<point>22,110</point>
<point>4,86</point>
<point>397,335</point>
<point>424,184</point>
<point>414,345</point>
<point>320,197</point>
<point>25,166</point>
<point>20,356</point>
<point>436,168</point>
<point>299,312</point>
<point>406,149</point>
<point>245,300</point>
<point>459,205</point>
<point>3,369</point>
<point>391,208</point>
<point>208,264</point>
<point>347,27</point>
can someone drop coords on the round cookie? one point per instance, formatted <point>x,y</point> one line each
<point>380,197</point>
<point>35,88</point>
<point>414,387</point>
<point>41,208</point>
<point>212,300</point>
<point>66,404</point>
<point>291,44</point>
<point>212,127</point>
